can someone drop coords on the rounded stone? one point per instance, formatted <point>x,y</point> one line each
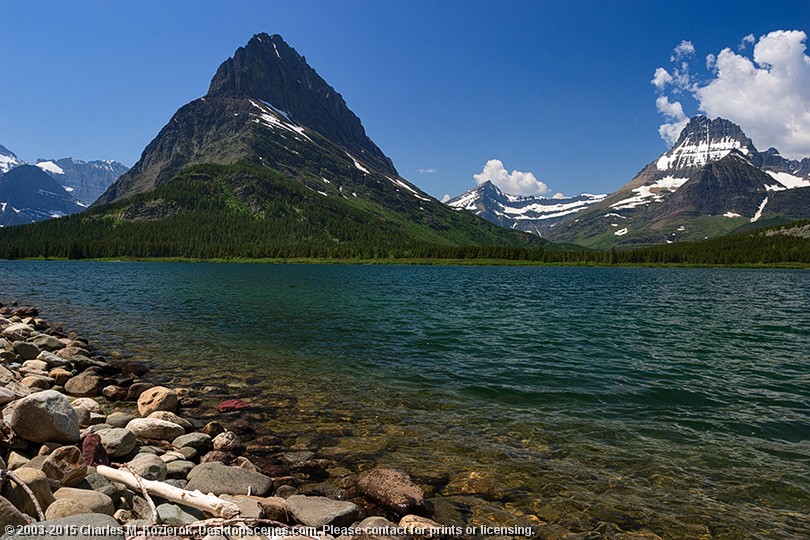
<point>152,428</point>
<point>118,442</point>
<point>158,398</point>
<point>149,466</point>
<point>45,416</point>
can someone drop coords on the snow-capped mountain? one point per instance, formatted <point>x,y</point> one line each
<point>84,180</point>
<point>534,214</point>
<point>711,182</point>
<point>27,195</point>
<point>8,160</point>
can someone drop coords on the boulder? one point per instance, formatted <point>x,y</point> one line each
<point>135,390</point>
<point>88,403</point>
<point>68,352</point>
<point>72,501</point>
<point>173,418</point>
<point>27,351</point>
<point>87,385</point>
<point>171,514</point>
<point>60,375</point>
<point>249,507</point>
<point>37,381</point>
<point>45,416</point>
<point>37,482</point>
<point>85,526</point>
<point>36,365</point>
<point>320,511</point>
<point>9,381</point>
<point>118,442</point>
<point>120,419</point>
<point>10,516</point>
<point>83,416</point>
<point>65,465</point>
<point>179,469</point>
<point>47,343</point>
<point>114,393</point>
<point>18,331</point>
<point>217,478</point>
<point>98,483</point>
<point>158,398</point>
<point>152,428</point>
<point>149,466</point>
<point>199,441</point>
<point>227,442</point>
<point>52,360</point>
<point>392,489</point>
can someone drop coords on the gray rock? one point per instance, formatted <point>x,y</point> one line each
<point>79,527</point>
<point>319,511</point>
<point>173,418</point>
<point>86,385</point>
<point>179,469</point>
<point>83,416</point>
<point>9,381</point>
<point>198,441</point>
<point>171,514</point>
<point>48,343</point>
<point>249,507</point>
<point>298,457</point>
<point>36,482</point>
<point>38,365</point>
<point>98,483</point>
<point>45,416</point>
<point>217,478</point>
<point>227,441</point>
<point>149,466</point>
<point>95,501</point>
<point>118,442</point>
<point>152,428</point>
<point>120,419</point>
<point>52,360</point>
<point>28,351</point>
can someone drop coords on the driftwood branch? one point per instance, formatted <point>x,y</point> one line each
<point>195,499</point>
<point>149,501</point>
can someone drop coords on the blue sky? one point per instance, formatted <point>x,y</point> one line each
<point>559,89</point>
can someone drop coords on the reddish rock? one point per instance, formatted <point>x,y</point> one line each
<point>232,405</point>
<point>392,489</point>
<point>93,452</point>
<point>114,393</point>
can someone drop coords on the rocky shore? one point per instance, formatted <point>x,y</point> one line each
<point>93,446</point>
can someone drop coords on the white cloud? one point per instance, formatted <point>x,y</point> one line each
<point>514,183</point>
<point>766,92</point>
<point>768,95</point>
<point>558,195</point>
<point>685,49</point>
<point>747,40</point>
<point>672,111</point>
<point>661,78</point>
<point>428,170</point>
<point>446,197</point>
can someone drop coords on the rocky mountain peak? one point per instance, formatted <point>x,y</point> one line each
<point>704,141</point>
<point>268,69</point>
<point>8,160</point>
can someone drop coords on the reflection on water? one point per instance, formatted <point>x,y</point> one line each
<point>668,401</point>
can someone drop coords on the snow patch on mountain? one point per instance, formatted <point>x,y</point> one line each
<point>51,167</point>
<point>650,193</point>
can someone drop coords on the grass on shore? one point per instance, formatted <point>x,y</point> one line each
<point>431,262</point>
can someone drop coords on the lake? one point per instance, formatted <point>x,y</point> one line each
<point>675,401</point>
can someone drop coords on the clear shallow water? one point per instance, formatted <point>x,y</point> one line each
<point>674,401</point>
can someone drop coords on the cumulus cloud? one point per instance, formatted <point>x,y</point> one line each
<point>685,49</point>
<point>677,120</point>
<point>446,197</point>
<point>428,170</point>
<point>515,183</point>
<point>661,78</point>
<point>766,93</point>
<point>558,195</point>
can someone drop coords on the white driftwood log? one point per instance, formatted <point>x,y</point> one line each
<point>195,499</point>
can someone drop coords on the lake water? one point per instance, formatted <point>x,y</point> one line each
<point>671,401</point>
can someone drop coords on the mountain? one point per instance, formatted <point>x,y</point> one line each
<point>8,160</point>
<point>28,195</point>
<point>710,183</point>
<point>84,180</point>
<point>269,163</point>
<point>537,215</point>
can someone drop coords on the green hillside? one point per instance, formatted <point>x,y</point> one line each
<point>218,211</point>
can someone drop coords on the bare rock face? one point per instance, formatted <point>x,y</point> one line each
<point>392,489</point>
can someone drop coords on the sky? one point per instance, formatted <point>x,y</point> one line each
<point>543,97</point>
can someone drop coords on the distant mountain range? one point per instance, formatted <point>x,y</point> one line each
<point>270,162</point>
<point>712,182</point>
<point>27,195</point>
<point>85,180</point>
<point>51,188</point>
<point>531,214</point>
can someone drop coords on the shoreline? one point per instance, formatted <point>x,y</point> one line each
<point>428,262</point>
<point>92,410</point>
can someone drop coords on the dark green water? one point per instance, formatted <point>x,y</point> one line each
<point>674,401</point>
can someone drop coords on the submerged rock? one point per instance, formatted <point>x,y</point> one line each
<point>319,511</point>
<point>392,489</point>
